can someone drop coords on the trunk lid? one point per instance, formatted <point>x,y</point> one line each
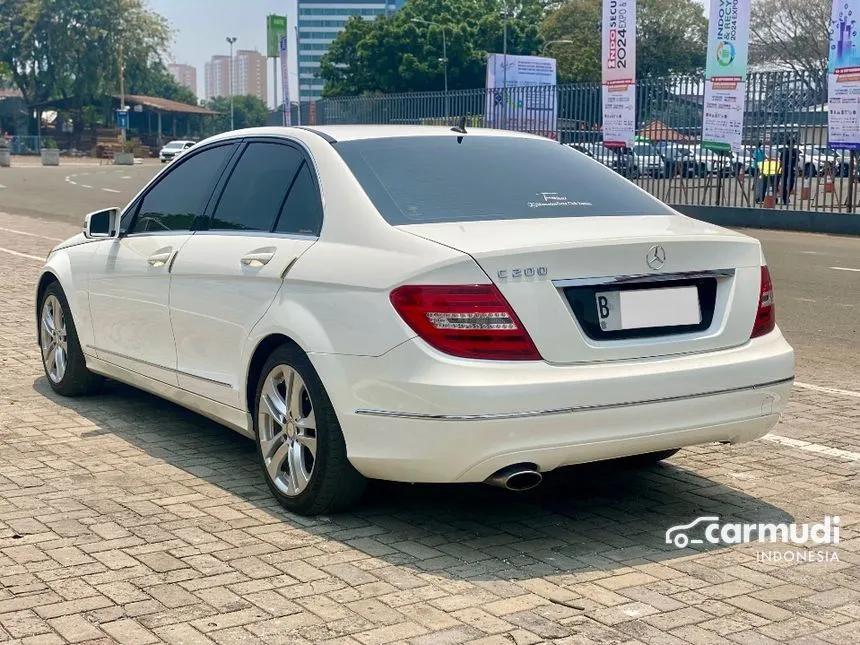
<point>554,273</point>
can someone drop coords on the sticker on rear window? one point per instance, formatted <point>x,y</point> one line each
<point>555,199</point>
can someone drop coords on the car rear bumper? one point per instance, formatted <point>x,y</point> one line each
<point>418,416</point>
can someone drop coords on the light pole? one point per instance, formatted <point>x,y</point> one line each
<point>505,67</point>
<point>444,57</point>
<point>231,40</point>
<point>555,42</point>
<point>298,79</point>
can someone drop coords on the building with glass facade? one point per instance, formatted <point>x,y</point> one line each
<point>319,23</point>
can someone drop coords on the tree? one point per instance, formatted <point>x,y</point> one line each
<point>671,38</point>
<point>155,80</point>
<point>394,54</point>
<point>579,22</point>
<point>791,33</point>
<point>74,49</point>
<point>248,112</point>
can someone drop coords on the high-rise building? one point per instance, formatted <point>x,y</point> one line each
<point>249,75</point>
<point>217,73</point>
<point>185,75</point>
<point>251,78</point>
<point>319,22</point>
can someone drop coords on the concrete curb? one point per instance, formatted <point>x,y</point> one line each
<point>784,220</point>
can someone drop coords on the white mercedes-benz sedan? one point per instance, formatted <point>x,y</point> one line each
<point>418,304</point>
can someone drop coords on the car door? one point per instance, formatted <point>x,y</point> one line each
<point>267,214</point>
<point>130,279</point>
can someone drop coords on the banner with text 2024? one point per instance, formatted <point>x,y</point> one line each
<point>726,74</point>
<point>843,77</point>
<point>619,72</point>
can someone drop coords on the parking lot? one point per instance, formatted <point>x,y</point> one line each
<point>125,519</point>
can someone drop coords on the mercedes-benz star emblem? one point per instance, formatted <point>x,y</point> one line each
<point>656,257</point>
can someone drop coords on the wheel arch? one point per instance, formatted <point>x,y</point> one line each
<point>261,352</point>
<point>47,278</point>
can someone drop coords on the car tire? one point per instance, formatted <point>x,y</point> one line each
<point>299,422</point>
<point>62,357</point>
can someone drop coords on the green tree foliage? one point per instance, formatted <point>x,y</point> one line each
<point>75,49</point>
<point>671,38</point>
<point>248,112</point>
<point>395,54</point>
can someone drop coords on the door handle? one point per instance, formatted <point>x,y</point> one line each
<point>160,259</point>
<point>258,258</point>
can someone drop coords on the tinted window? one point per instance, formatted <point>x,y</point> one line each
<point>435,179</point>
<point>302,212</point>
<point>255,192</point>
<point>181,195</point>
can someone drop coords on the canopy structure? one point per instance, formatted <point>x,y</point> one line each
<point>146,114</point>
<point>157,104</point>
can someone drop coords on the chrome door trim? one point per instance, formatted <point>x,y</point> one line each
<point>99,350</point>
<point>570,410</point>
<point>233,418</point>
<point>642,278</point>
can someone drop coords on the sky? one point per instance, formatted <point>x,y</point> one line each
<point>202,26</point>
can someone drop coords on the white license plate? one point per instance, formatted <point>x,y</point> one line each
<point>645,308</point>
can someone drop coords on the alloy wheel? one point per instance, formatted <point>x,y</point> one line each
<point>53,336</point>
<point>287,430</point>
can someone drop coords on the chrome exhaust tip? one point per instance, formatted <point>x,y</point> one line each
<point>519,477</point>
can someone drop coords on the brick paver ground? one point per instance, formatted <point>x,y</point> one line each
<point>124,519</point>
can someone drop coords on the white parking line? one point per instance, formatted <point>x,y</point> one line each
<point>110,190</point>
<point>22,255</point>
<point>812,447</point>
<point>42,237</point>
<point>126,177</point>
<point>845,269</point>
<point>2,186</point>
<point>828,390</point>
<point>85,186</point>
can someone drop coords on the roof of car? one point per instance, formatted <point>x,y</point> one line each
<point>356,132</point>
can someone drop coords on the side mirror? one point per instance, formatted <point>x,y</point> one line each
<point>102,224</point>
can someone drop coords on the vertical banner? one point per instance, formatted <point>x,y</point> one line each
<point>726,75</point>
<point>285,80</point>
<point>843,77</point>
<point>531,104</point>
<point>618,54</point>
<point>276,27</point>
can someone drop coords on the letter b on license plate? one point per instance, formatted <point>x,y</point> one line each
<point>643,308</point>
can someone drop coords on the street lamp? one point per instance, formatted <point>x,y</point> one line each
<point>298,80</point>
<point>444,55</point>
<point>231,40</point>
<point>555,42</point>
<point>505,14</point>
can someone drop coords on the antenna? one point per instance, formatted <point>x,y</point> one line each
<point>460,128</point>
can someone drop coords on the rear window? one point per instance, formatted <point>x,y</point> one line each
<point>426,179</point>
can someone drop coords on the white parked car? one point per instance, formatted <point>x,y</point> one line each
<point>173,149</point>
<point>414,304</point>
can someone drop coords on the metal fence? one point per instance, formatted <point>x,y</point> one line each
<point>667,159</point>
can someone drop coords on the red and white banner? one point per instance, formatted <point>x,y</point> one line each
<point>618,55</point>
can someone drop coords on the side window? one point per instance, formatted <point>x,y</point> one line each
<point>257,187</point>
<point>179,197</point>
<point>302,212</point>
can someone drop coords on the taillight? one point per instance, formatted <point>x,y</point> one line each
<point>469,321</point>
<point>765,317</point>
